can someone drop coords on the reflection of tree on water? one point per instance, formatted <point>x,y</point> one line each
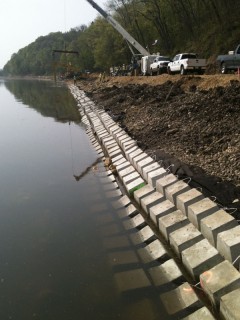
<point>93,167</point>
<point>46,98</point>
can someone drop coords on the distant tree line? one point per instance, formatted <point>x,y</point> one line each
<point>208,27</point>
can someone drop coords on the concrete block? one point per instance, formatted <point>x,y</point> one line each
<point>217,222</point>
<point>200,257</point>
<point>150,201</point>
<point>120,161</point>
<point>113,147</point>
<point>149,168</point>
<point>144,235</point>
<point>175,189</point>
<point>130,177</point>
<point>96,144</point>
<point>102,135</point>
<point>136,154</point>
<point>201,314</point>
<point>137,159</point>
<point>124,138</point>
<point>230,306</point>
<point>220,280</point>
<point>110,143</point>
<point>143,192</point>
<point>118,133</point>
<point>131,150</point>
<point>163,183</point>
<point>159,210</point>
<point>201,209</point>
<point>154,251</point>
<point>110,186</point>
<point>108,140</point>
<point>128,211</point>
<point>135,222</point>
<point>184,238</point>
<point>98,149</point>
<point>105,178</point>
<point>144,163</point>
<point>187,198</point>
<point>128,144</point>
<point>171,222</point>
<point>101,154</point>
<point>131,280</point>
<point>122,202</point>
<point>114,128</point>
<point>129,147</point>
<point>134,185</point>
<point>180,299</point>
<point>118,136</point>
<point>123,165</point>
<point>117,158</point>
<point>115,153</point>
<point>154,175</point>
<point>113,194</point>
<point>228,244</point>
<point>165,273</point>
<point>126,171</point>
<point>107,121</point>
<point>108,173</point>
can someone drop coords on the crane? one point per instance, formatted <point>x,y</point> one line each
<point>146,57</point>
<point>130,40</point>
<point>60,51</point>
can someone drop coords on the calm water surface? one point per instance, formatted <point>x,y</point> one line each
<point>57,234</point>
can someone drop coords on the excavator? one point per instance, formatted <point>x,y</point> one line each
<point>143,55</point>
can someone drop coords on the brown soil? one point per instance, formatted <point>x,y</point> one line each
<point>190,123</point>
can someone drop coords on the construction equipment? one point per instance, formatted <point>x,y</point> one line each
<point>55,64</point>
<point>132,43</point>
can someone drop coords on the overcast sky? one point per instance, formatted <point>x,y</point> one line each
<point>23,21</point>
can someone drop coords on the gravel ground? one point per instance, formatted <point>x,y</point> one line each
<point>190,123</point>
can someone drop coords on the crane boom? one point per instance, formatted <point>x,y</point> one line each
<point>120,29</point>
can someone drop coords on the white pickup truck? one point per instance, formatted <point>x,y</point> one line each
<point>159,65</point>
<point>187,62</point>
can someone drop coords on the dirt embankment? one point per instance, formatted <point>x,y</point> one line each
<point>190,123</point>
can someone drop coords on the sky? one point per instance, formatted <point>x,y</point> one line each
<point>23,21</point>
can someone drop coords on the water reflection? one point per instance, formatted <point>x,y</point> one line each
<point>92,167</point>
<point>1,81</point>
<point>43,97</point>
<point>68,250</point>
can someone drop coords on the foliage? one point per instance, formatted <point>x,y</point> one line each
<point>208,27</point>
<point>61,105</point>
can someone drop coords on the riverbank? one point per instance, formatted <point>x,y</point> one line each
<point>168,204</point>
<point>190,123</point>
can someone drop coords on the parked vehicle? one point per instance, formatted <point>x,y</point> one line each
<point>140,61</point>
<point>230,61</point>
<point>184,63</point>
<point>132,43</point>
<point>146,62</point>
<point>159,65</point>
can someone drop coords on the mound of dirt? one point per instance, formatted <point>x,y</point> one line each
<point>190,124</point>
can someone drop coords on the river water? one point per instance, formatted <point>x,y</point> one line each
<point>59,235</point>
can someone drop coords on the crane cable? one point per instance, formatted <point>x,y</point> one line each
<point>65,15</point>
<point>71,145</point>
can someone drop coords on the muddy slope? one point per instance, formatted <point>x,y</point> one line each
<point>193,131</point>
